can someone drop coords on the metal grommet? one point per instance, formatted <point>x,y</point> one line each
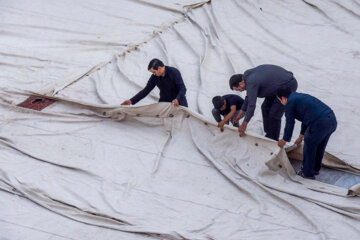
<point>256,144</point>
<point>280,166</point>
<point>157,115</point>
<point>271,153</point>
<point>171,115</point>
<point>205,123</point>
<point>104,113</point>
<point>188,116</point>
<point>138,115</point>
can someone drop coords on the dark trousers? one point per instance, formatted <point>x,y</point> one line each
<point>272,112</point>
<point>217,116</point>
<point>315,140</point>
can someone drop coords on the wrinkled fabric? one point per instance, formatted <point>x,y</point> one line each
<point>86,168</point>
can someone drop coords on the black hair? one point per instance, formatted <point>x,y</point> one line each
<point>283,92</point>
<point>235,80</point>
<point>155,64</point>
<point>218,102</point>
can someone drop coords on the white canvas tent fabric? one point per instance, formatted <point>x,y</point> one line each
<point>86,168</point>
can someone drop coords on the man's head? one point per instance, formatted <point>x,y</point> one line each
<point>219,103</point>
<point>237,82</point>
<point>157,67</point>
<point>283,94</point>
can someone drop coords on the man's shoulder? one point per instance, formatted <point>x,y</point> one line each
<point>296,97</point>
<point>152,78</point>
<point>256,69</point>
<point>251,76</point>
<point>172,69</point>
<point>232,97</point>
<point>261,70</point>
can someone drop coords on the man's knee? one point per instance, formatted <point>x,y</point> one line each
<point>216,114</point>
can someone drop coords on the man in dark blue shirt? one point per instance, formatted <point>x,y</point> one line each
<point>318,122</point>
<point>262,82</point>
<point>168,80</point>
<point>228,106</point>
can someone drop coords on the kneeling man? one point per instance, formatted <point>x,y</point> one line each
<point>228,106</point>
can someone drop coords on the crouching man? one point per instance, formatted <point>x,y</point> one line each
<point>318,122</point>
<point>229,107</point>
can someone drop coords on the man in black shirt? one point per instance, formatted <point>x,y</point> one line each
<point>228,106</point>
<point>168,80</point>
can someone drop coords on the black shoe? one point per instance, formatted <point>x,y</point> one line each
<point>316,173</point>
<point>301,173</point>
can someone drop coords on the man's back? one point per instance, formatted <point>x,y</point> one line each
<point>266,79</point>
<point>305,107</point>
<point>232,99</point>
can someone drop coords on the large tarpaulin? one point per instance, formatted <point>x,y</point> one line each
<point>86,168</point>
